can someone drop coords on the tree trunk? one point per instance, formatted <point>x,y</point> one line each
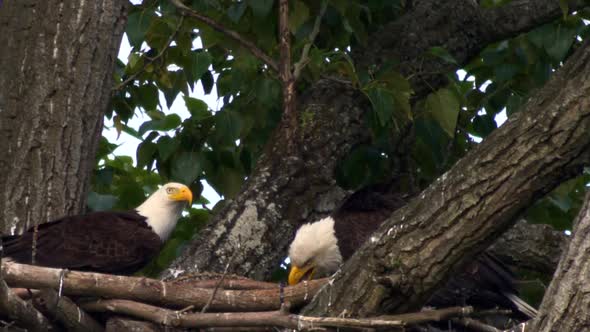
<point>57,60</point>
<point>287,190</point>
<point>566,302</point>
<point>466,209</point>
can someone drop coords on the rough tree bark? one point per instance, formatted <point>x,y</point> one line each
<point>287,190</point>
<point>566,302</point>
<point>57,60</point>
<point>466,209</point>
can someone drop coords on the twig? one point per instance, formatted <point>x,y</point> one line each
<point>430,315</point>
<point>65,311</point>
<point>474,324</point>
<point>118,323</point>
<point>151,60</point>
<point>305,53</point>
<point>24,293</point>
<point>34,243</point>
<point>23,313</point>
<point>492,312</point>
<point>235,282</point>
<point>154,291</point>
<point>231,259</point>
<point>257,52</point>
<point>522,327</point>
<point>236,319</point>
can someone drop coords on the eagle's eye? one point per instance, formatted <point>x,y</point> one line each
<point>170,190</point>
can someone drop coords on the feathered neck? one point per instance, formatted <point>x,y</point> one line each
<point>161,213</point>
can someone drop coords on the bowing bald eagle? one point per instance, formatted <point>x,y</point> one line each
<point>109,241</point>
<point>319,248</point>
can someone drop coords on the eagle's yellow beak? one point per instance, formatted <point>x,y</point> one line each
<point>297,274</point>
<point>183,194</point>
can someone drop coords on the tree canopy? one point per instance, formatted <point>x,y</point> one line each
<point>222,146</point>
<point>320,103</point>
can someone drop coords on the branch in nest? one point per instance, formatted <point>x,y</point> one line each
<point>156,291</point>
<point>231,282</point>
<point>65,311</point>
<point>23,313</point>
<point>237,319</point>
<point>279,318</point>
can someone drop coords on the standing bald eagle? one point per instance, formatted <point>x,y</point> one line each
<point>320,247</point>
<point>110,242</point>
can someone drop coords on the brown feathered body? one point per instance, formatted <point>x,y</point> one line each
<point>110,242</point>
<point>485,283</point>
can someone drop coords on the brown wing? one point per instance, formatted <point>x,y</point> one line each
<point>360,216</point>
<point>112,242</point>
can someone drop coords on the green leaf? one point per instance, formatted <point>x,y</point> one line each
<point>236,11</point>
<point>558,46</point>
<point>167,146</point>
<point>171,121</point>
<point>298,15</point>
<point>158,34</point>
<point>260,8</point>
<point>99,202</point>
<point>506,71</point>
<point>382,101</point>
<point>228,125</point>
<point>137,26</point>
<point>134,62</point>
<point>200,62</point>
<point>148,96</point>
<point>353,171</point>
<point>443,54</point>
<point>340,5</point>
<point>145,154</point>
<point>207,81</point>
<point>444,106</point>
<point>186,167</point>
<point>226,181</point>
<point>177,83</point>
<point>483,125</point>
<point>198,108</point>
<point>563,4</point>
<point>267,91</point>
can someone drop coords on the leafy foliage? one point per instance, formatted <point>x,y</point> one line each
<point>221,146</point>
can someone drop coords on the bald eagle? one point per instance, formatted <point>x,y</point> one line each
<point>319,248</point>
<point>109,241</point>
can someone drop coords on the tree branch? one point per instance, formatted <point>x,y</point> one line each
<point>305,53</point>
<point>257,52</point>
<point>565,304</point>
<point>466,209</point>
<point>535,247</point>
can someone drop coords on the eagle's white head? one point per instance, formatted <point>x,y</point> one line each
<point>163,208</point>
<point>314,252</point>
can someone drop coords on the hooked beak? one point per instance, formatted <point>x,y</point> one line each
<point>297,274</point>
<point>184,194</point>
